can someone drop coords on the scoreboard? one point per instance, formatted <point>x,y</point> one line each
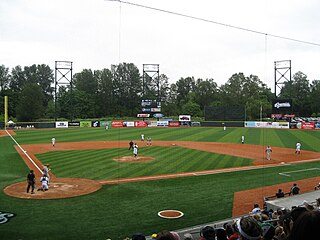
<point>150,105</point>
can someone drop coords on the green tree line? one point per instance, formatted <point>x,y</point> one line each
<point>117,92</point>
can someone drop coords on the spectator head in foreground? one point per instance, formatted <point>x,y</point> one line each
<point>306,226</point>
<point>166,235</point>
<point>138,236</point>
<point>268,231</point>
<point>208,233</point>
<point>221,234</point>
<point>249,229</point>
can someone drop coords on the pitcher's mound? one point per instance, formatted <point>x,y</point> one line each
<point>58,188</point>
<point>133,159</point>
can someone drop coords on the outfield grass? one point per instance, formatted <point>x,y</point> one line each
<point>99,164</point>
<point>117,211</point>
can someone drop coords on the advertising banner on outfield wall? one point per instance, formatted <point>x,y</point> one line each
<point>140,124</point>
<point>162,123</point>
<point>85,124</point>
<point>152,123</point>
<point>307,125</point>
<point>184,118</point>
<point>267,124</point>
<point>317,125</point>
<point>117,123</point>
<point>128,124</point>
<point>95,123</point>
<point>174,124</point>
<point>74,124</point>
<point>61,124</point>
<point>105,123</point>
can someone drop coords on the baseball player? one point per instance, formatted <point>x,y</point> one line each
<point>148,141</point>
<point>298,148</point>
<point>46,171</point>
<point>53,140</point>
<point>242,139</point>
<point>135,150</point>
<point>268,151</point>
<point>142,137</point>
<point>44,183</point>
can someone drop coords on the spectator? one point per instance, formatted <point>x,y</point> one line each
<point>138,236</point>
<point>221,234</point>
<point>317,187</point>
<point>207,233</point>
<point>268,231</point>
<point>256,208</point>
<point>235,234</point>
<point>249,229</point>
<point>306,226</point>
<point>229,229</point>
<point>279,233</point>
<point>296,212</point>
<point>280,193</point>
<point>294,190</point>
<point>165,235</point>
<point>175,235</point>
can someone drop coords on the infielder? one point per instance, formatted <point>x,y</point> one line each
<point>135,150</point>
<point>268,151</point>
<point>53,140</point>
<point>298,148</point>
<point>142,137</point>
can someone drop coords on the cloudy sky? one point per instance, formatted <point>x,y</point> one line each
<point>97,33</point>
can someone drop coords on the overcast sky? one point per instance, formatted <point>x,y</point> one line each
<point>96,33</point>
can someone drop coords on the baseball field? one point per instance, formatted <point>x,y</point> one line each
<point>99,191</point>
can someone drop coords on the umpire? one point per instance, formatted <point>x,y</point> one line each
<point>31,179</point>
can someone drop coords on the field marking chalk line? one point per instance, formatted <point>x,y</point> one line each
<point>302,170</point>
<point>25,152</point>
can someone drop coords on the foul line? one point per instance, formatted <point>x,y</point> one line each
<point>24,152</point>
<point>302,170</point>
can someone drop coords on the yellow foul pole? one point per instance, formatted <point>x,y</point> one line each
<point>5,111</point>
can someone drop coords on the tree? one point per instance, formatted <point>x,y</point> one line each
<point>30,106</point>
<point>314,97</point>
<point>249,91</point>
<point>4,78</point>
<point>184,87</point>
<point>127,88</point>
<point>105,92</point>
<point>299,91</point>
<point>206,92</point>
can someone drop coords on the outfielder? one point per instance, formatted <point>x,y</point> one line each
<point>53,140</point>
<point>242,139</point>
